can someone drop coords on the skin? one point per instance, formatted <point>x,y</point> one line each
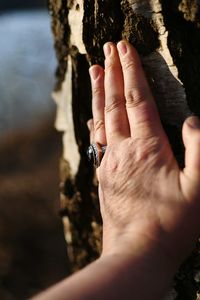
<point>150,208</point>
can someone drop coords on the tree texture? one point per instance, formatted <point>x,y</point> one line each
<point>166,34</point>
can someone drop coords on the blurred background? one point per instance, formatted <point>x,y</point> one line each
<point>32,247</point>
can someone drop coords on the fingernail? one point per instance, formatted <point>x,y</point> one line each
<point>122,47</point>
<point>193,122</point>
<point>107,49</point>
<point>89,124</point>
<point>94,72</point>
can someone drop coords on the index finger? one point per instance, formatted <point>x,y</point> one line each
<point>141,109</point>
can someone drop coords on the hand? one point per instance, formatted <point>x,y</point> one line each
<point>150,207</point>
<point>145,198</point>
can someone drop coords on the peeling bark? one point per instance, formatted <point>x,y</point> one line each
<point>166,33</point>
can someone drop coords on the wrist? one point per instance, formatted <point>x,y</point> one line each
<point>146,263</point>
<point>147,275</point>
<point>138,245</point>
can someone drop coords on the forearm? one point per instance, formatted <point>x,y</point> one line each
<point>117,276</point>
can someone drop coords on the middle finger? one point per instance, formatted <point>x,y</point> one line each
<point>98,103</point>
<point>116,120</point>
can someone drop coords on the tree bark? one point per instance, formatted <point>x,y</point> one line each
<point>166,34</point>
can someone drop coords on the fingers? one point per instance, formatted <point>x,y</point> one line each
<point>116,120</point>
<point>141,109</point>
<point>126,96</point>
<point>98,103</point>
<point>191,139</point>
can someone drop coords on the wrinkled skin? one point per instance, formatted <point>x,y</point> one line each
<point>144,196</point>
<point>150,208</point>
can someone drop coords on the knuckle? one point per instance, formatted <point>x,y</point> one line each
<point>115,103</point>
<point>147,148</point>
<point>97,92</point>
<point>110,65</point>
<point>110,162</point>
<point>135,96</point>
<point>98,125</point>
<point>128,64</point>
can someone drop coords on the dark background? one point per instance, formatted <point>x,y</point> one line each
<point>22,4</point>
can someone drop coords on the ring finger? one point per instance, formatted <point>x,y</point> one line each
<point>98,103</point>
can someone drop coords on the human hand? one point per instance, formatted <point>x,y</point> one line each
<point>145,198</point>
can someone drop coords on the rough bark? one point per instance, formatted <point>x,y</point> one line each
<point>167,35</point>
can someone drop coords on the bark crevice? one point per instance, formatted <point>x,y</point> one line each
<point>184,46</point>
<point>167,35</point>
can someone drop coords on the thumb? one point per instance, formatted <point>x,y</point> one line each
<point>191,139</point>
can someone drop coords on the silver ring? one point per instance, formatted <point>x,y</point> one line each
<point>95,154</point>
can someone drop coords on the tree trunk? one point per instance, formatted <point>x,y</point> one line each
<point>167,35</point>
